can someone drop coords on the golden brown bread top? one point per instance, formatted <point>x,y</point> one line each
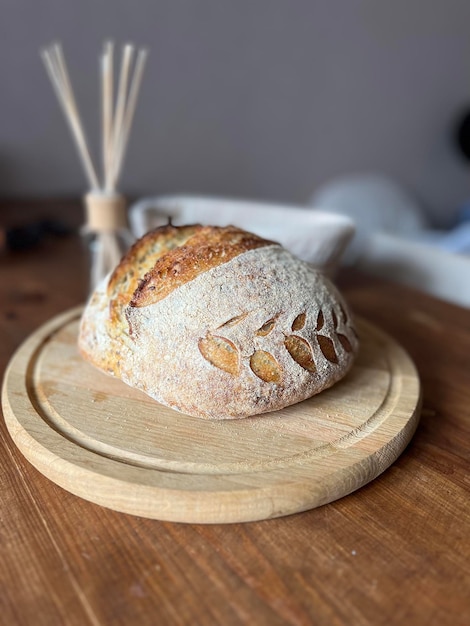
<point>140,258</point>
<point>206,248</point>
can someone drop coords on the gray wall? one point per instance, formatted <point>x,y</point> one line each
<point>254,98</point>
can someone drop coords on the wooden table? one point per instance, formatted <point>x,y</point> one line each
<point>395,552</point>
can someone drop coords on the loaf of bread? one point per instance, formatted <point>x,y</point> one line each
<point>218,323</point>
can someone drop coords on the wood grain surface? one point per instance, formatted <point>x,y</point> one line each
<point>394,552</point>
<point>113,445</point>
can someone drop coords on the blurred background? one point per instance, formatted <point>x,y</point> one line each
<point>262,99</point>
<point>250,98</point>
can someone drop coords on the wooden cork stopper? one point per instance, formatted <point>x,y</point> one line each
<point>105,212</point>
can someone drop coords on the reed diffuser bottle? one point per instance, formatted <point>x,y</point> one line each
<point>106,231</point>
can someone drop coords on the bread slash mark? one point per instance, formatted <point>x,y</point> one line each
<point>221,353</point>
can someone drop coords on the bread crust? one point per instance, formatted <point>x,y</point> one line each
<point>207,248</point>
<point>246,331</point>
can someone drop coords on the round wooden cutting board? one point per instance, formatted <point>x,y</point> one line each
<point>101,440</point>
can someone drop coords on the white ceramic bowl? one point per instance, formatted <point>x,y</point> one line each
<point>317,237</point>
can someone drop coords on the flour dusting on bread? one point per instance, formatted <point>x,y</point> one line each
<point>218,323</point>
